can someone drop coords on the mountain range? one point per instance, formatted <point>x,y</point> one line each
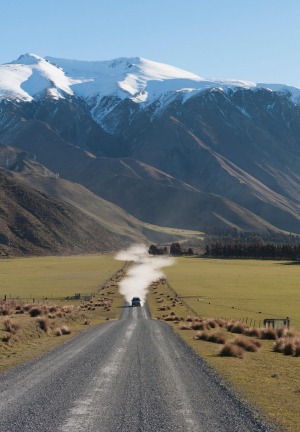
<point>153,145</point>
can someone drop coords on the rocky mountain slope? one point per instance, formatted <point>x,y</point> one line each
<point>33,223</point>
<point>169,147</point>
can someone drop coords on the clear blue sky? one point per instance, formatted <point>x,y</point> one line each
<point>256,40</point>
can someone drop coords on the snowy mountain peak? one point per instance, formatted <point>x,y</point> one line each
<point>28,59</point>
<point>31,77</point>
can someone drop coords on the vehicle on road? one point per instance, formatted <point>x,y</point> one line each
<point>136,301</point>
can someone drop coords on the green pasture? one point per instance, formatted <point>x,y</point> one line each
<point>238,289</point>
<point>55,277</point>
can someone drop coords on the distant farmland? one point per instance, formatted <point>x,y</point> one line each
<point>247,289</point>
<point>55,277</point>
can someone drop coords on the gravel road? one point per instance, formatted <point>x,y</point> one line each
<point>132,375</point>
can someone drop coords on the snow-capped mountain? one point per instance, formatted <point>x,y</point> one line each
<point>228,150</point>
<point>141,80</point>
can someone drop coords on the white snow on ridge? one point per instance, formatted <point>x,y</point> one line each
<point>134,77</point>
<point>30,77</point>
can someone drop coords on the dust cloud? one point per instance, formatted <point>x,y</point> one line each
<point>146,269</point>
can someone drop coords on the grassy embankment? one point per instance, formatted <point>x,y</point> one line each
<point>235,289</point>
<point>48,281</point>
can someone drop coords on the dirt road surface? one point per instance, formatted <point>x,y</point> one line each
<point>131,375</point>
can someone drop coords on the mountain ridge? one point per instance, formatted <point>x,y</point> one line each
<point>187,153</point>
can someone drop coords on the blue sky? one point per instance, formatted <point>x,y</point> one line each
<point>255,40</point>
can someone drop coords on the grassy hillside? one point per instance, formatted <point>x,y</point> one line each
<point>33,223</point>
<point>109,215</point>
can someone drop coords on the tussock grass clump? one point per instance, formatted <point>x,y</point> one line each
<point>43,324</point>
<point>246,343</point>
<point>202,335</point>
<point>171,318</point>
<point>216,337</point>
<point>231,350</point>
<point>269,334</point>
<point>10,326</point>
<point>65,330</point>
<point>221,322</point>
<point>6,338</point>
<point>252,332</point>
<point>57,331</point>
<point>236,327</point>
<point>297,349</point>
<point>184,327</point>
<point>289,345</point>
<point>279,345</point>
<point>5,310</point>
<point>164,308</point>
<point>35,311</point>
<point>199,326</point>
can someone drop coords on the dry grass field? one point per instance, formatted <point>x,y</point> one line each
<point>54,278</point>
<point>252,289</point>
<point>268,380</point>
<point>28,329</point>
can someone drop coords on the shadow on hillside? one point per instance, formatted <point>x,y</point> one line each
<point>290,263</point>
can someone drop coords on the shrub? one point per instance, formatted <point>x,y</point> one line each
<point>252,332</point>
<point>282,332</point>
<point>231,350</point>
<point>43,324</point>
<point>238,328</point>
<point>279,345</point>
<point>65,330</point>
<point>217,337</point>
<point>198,326</point>
<point>202,335</point>
<point>184,327</point>
<point>211,323</point>
<point>6,338</point>
<point>268,333</point>
<point>10,327</point>
<point>245,343</point>
<point>297,349</point>
<point>289,347</point>
<point>35,311</point>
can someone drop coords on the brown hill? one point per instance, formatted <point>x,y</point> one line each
<point>145,192</point>
<point>33,223</point>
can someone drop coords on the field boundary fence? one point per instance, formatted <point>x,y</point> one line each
<point>85,296</point>
<point>251,322</point>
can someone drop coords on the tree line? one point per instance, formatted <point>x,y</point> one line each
<point>175,250</point>
<point>260,251</point>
